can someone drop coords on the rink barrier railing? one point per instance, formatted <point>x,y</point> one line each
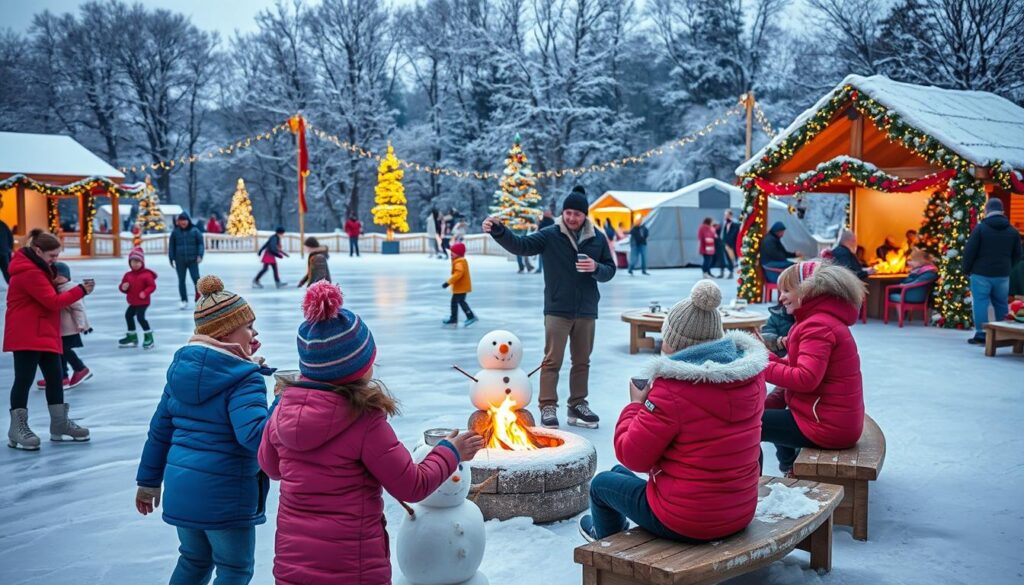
<point>337,243</point>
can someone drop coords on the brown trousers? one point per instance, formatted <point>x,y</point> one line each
<point>580,335</point>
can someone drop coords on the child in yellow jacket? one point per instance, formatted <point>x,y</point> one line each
<point>461,286</point>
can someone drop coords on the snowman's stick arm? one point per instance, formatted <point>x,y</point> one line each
<point>408,508</point>
<point>464,373</point>
<point>535,370</point>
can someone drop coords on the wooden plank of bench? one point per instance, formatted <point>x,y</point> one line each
<point>597,554</point>
<point>870,451</point>
<point>846,466</point>
<point>827,460</point>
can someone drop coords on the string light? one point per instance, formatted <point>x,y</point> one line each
<point>228,150</point>
<point>762,119</point>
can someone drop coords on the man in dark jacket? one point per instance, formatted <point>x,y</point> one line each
<point>577,257</point>
<point>845,255</point>
<point>993,248</point>
<point>638,247</point>
<point>6,250</point>
<point>186,250</point>
<point>773,253</point>
<point>728,232</point>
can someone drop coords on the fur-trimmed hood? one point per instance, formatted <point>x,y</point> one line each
<point>586,232</point>
<point>735,358</point>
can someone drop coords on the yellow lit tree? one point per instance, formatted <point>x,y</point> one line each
<point>518,202</point>
<point>149,219</point>
<point>390,210</point>
<point>240,220</point>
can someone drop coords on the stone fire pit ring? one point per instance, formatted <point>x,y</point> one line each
<point>546,484</point>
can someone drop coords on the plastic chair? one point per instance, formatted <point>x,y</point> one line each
<point>766,290</point>
<point>903,306</point>
<point>864,310</point>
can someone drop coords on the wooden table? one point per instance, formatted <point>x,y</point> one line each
<point>876,292</point>
<point>1003,334</point>
<point>642,321</point>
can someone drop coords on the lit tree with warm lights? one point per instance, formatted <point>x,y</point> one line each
<point>931,227</point>
<point>518,202</point>
<point>390,210</point>
<point>240,219</point>
<point>149,218</point>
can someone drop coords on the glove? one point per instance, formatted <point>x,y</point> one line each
<point>147,499</point>
<point>445,285</point>
<point>124,285</point>
<point>172,263</point>
<point>87,331</point>
<point>199,260</point>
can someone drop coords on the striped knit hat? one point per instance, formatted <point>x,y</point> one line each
<point>219,312</point>
<point>137,254</point>
<point>335,345</point>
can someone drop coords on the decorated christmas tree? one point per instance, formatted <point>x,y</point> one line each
<point>931,226</point>
<point>518,202</point>
<point>240,220</point>
<point>150,219</point>
<point>390,210</point>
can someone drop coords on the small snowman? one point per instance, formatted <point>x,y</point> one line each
<point>442,542</point>
<point>500,354</point>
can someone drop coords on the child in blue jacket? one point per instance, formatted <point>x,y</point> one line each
<point>203,441</point>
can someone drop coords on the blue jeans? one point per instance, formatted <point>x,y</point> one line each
<point>986,290</point>
<point>353,246</point>
<point>193,270</point>
<point>618,496</point>
<point>635,253</point>
<point>231,551</point>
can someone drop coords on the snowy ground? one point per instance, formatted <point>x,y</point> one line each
<point>947,509</point>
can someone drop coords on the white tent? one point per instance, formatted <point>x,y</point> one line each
<point>674,222</point>
<point>170,213</point>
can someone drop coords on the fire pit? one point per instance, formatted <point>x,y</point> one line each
<point>547,484</point>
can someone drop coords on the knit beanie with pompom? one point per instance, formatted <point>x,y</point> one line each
<point>335,346</point>
<point>694,320</point>
<point>219,312</point>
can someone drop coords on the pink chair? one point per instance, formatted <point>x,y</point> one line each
<point>903,306</point>
<point>766,290</point>
<point>864,310</point>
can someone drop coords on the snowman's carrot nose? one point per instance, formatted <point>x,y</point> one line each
<point>455,478</point>
<point>503,348</point>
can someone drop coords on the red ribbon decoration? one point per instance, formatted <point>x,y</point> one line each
<point>297,124</point>
<point>746,225</point>
<point>1018,185</point>
<point>885,184</point>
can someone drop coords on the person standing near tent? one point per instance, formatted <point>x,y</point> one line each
<point>729,232</point>
<point>577,258</point>
<point>991,251</point>
<point>638,247</point>
<point>185,250</point>
<point>773,253</point>
<point>6,250</point>
<point>706,245</point>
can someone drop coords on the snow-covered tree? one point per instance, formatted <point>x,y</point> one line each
<point>517,201</point>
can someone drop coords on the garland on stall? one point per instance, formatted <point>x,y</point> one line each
<point>965,193</point>
<point>1007,178</point>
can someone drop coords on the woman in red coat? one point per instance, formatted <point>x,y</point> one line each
<point>819,398</point>
<point>706,245</point>
<point>696,432</point>
<point>32,333</point>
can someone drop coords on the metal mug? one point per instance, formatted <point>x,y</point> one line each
<point>434,436</point>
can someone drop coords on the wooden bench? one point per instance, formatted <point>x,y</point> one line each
<point>1004,334</point>
<point>850,468</point>
<point>637,557</point>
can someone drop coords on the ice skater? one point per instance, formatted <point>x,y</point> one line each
<point>461,286</point>
<point>316,263</point>
<point>269,254</point>
<point>203,440</point>
<point>73,324</point>
<point>138,285</point>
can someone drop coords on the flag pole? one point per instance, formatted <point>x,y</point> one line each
<point>302,216</point>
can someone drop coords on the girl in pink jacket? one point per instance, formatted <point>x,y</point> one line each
<point>330,444</point>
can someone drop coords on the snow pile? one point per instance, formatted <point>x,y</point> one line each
<point>785,502</point>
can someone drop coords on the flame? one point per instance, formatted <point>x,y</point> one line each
<point>506,432</point>
<point>894,263</point>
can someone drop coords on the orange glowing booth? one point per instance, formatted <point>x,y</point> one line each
<point>910,157</point>
<point>625,207</point>
<point>38,170</point>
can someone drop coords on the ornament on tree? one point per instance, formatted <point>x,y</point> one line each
<point>518,204</point>
<point>149,219</point>
<point>240,219</point>
<point>390,210</point>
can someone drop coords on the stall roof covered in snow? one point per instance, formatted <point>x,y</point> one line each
<point>979,126</point>
<point>170,209</point>
<point>634,200</point>
<point>50,154</point>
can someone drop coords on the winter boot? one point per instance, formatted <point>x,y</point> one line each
<point>183,305</point>
<point>549,417</point>
<point>77,378</point>
<point>20,436</point>
<point>129,340</point>
<point>449,322</point>
<point>581,416</point>
<point>281,284</point>
<point>730,274</point>
<point>63,428</point>
<point>470,321</point>
<point>147,341</point>
<point>256,284</point>
<point>41,384</point>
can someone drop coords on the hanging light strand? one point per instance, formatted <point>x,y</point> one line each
<point>226,150</point>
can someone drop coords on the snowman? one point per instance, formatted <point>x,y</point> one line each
<point>500,354</point>
<point>442,541</point>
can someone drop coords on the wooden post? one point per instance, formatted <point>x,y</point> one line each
<point>84,246</point>
<point>302,216</point>
<point>115,223</point>
<point>749,103</point>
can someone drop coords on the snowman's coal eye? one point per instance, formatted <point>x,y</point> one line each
<point>505,379</point>
<point>494,343</point>
<point>510,343</point>
<point>460,467</point>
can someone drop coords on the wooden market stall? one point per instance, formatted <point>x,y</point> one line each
<point>910,157</point>
<point>626,207</point>
<point>38,170</point>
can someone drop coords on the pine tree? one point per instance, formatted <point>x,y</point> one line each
<point>240,219</point>
<point>931,227</point>
<point>149,218</point>
<point>518,202</point>
<point>390,210</point>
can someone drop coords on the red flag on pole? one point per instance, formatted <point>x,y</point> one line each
<point>297,124</point>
